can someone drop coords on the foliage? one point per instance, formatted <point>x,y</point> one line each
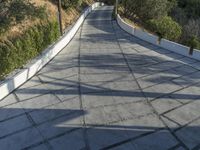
<point>191,34</point>
<point>187,14</point>
<point>193,42</point>
<point>109,2</point>
<point>15,52</point>
<point>190,7</point>
<point>192,28</point>
<point>179,15</point>
<point>166,28</point>
<point>69,3</point>
<point>15,11</point>
<point>147,9</point>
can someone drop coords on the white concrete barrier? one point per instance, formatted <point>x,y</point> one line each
<point>174,47</point>
<point>153,39</point>
<point>125,26</point>
<point>10,84</point>
<point>146,36</point>
<point>196,54</point>
<point>137,32</point>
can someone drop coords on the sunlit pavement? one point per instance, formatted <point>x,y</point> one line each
<point>106,90</point>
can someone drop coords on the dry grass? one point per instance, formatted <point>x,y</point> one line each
<point>68,17</point>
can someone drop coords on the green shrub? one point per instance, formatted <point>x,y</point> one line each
<point>165,28</point>
<point>193,42</point>
<point>6,58</point>
<point>15,52</point>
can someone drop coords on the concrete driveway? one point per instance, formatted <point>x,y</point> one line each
<point>106,90</point>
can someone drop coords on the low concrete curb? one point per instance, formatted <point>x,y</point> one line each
<point>25,74</point>
<point>153,39</point>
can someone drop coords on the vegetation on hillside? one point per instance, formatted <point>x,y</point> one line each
<point>14,12</point>
<point>108,2</point>
<point>187,14</point>
<point>27,27</point>
<point>176,20</point>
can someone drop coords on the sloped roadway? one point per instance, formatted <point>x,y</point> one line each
<point>106,90</point>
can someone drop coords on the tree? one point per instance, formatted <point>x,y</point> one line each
<point>191,7</point>
<point>147,9</point>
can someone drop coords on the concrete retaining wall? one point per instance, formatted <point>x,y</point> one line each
<point>137,32</point>
<point>153,39</point>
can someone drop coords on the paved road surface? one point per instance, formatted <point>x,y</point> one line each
<point>106,90</point>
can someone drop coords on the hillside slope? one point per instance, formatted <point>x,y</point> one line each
<point>27,27</point>
<point>68,16</point>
